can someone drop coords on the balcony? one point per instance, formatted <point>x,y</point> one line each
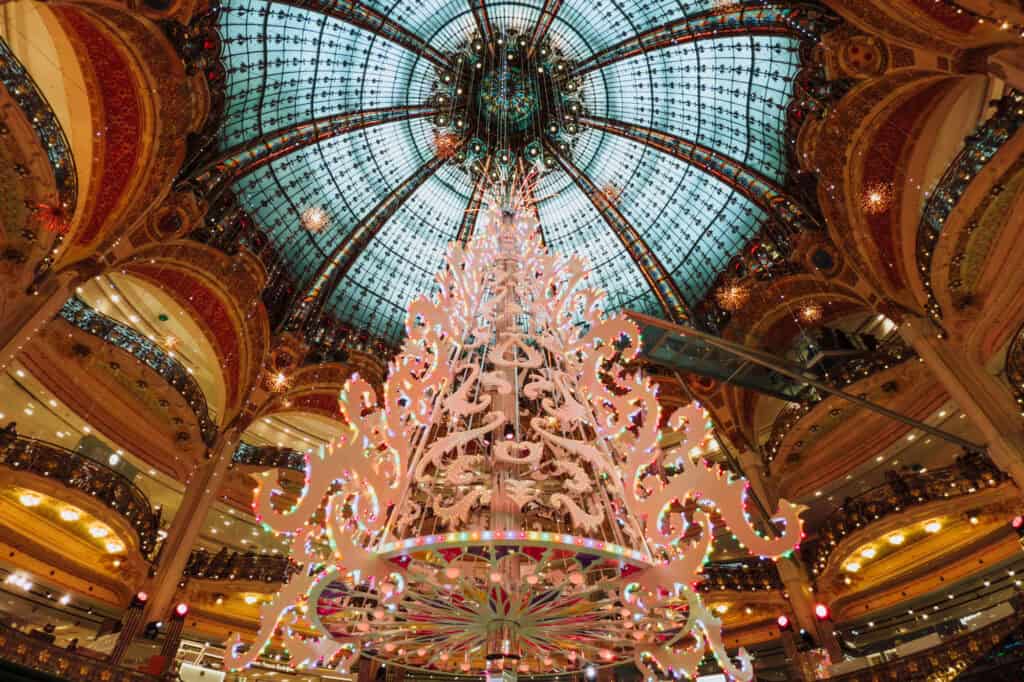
<point>89,477</point>
<point>79,314</point>
<point>16,80</point>
<point>225,566</point>
<point>979,149</point>
<point>972,474</point>
<point>55,663</point>
<point>268,457</point>
<point>748,575</point>
<point>952,658</point>
<point>842,361</point>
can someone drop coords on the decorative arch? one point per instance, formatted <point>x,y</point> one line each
<point>222,294</point>
<point>121,94</point>
<point>862,150</point>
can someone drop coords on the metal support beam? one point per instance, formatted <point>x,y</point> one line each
<point>746,21</point>
<point>783,367</point>
<point>483,21</point>
<point>548,12</point>
<point>252,154</point>
<point>365,17</point>
<point>658,277</point>
<point>338,263</point>
<point>761,190</point>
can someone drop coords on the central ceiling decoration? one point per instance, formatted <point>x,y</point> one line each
<point>508,507</point>
<point>660,125</point>
<point>508,98</point>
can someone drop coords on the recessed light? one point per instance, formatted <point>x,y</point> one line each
<point>99,532</point>
<point>30,499</point>
<point>114,547</point>
<point>70,514</point>
<point>933,527</point>
<point>869,552</point>
<point>896,539</point>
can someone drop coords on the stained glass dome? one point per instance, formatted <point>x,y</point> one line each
<point>677,154</point>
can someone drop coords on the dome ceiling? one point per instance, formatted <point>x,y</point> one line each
<point>670,161</point>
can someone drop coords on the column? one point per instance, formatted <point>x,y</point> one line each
<point>755,471</point>
<point>200,495</point>
<point>802,600</point>
<point>31,312</point>
<point>131,623</point>
<point>985,399</point>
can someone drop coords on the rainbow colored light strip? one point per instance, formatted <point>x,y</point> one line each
<point>527,537</point>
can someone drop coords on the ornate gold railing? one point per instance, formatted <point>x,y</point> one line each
<point>226,565</point>
<point>90,477</point>
<point>972,473</point>
<point>29,652</point>
<point>1015,367</point>
<point>81,315</point>
<point>269,456</point>
<point>749,575</point>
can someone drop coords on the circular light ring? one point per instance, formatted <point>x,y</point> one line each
<point>581,546</point>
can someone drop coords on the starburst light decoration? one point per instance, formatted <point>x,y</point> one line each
<point>505,507</point>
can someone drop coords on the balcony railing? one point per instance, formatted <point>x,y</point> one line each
<point>89,477</point>
<point>979,148</point>
<point>841,373</point>
<point>37,110</point>
<point>972,473</point>
<point>269,457</point>
<point>78,313</point>
<point>1015,367</point>
<point>37,654</point>
<point>945,661</point>
<point>741,576</point>
<point>226,565</point>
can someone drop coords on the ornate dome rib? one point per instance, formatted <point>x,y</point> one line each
<point>678,161</point>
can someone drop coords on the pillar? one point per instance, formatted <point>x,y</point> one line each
<point>985,399</point>
<point>172,640</point>
<point>755,471</point>
<point>131,623</point>
<point>31,312</point>
<point>802,600</point>
<point>368,668</point>
<point>200,495</point>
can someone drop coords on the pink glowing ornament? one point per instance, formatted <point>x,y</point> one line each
<point>508,456</point>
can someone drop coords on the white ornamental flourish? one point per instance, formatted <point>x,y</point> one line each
<point>510,399</point>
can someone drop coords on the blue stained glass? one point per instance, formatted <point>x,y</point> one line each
<point>288,65</point>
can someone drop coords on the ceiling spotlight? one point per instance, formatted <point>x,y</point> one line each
<point>99,532</point>
<point>933,527</point>
<point>65,600</point>
<point>869,552</point>
<point>30,499</point>
<point>114,547</point>
<point>70,514</point>
<point>897,539</point>
<point>852,567</point>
